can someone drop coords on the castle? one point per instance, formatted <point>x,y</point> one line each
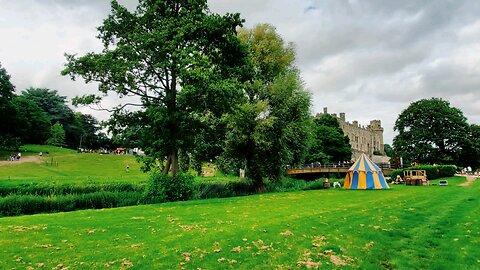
<point>368,140</point>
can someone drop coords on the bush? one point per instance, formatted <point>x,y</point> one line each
<point>317,184</point>
<point>394,174</point>
<point>286,184</point>
<point>219,190</point>
<point>167,188</point>
<point>431,170</point>
<point>446,170</point>
<point>52,189</point>
<point>13,205</point>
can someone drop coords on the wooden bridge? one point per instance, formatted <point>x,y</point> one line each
<point>331,168</point>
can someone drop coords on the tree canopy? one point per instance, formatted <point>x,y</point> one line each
<point>162,50</point>
<point>328,142</point>
<point>57,109</point>
<point>7,110</point>
<point>269,129</point>
<point>32,124</point>
<point>430,131</point>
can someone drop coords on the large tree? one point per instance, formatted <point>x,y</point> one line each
<point>57,109</point>
<point>7,110</point>
<point>470,154</point>
<point>430,131</point>
<point>269,130</point>
<point>156,53</point>
<point>32,124</point>
<point>328,142</point>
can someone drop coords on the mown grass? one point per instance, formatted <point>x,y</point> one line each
<point>62,165</point>
<point>407,227</point>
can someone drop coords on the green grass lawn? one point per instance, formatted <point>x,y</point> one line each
<point>62,165</point>
<point>70,167</point>
<point>407,227</point>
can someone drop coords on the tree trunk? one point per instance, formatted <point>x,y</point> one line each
<point>172,163</point>
<point>253,172</point>
<point>259,186</point>
<point>171,102</point>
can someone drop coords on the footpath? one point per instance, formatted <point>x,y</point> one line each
<point>470,180</point>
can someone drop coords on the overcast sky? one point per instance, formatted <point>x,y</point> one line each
<point>369,59</point>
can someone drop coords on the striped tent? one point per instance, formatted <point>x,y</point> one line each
<point>364,174</point>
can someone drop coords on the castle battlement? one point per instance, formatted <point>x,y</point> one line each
<point>363,139</point>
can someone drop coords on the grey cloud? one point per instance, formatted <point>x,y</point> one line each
<point>369,59</point>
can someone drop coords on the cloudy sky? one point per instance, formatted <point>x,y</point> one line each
<point>369,59</point>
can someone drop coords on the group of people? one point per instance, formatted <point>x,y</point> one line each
<point>14,157</point>
<point>468,170</point>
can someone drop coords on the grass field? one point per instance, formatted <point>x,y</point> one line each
<point>67,166</point>
<point>406,227</point>
<point>62,165</point>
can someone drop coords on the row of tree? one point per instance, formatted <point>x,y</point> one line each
<point>39,116</point>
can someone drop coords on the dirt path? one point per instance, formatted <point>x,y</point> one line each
<point>35,159</point>
<point>470,180</point>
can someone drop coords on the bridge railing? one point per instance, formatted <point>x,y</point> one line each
<point>383,166</point>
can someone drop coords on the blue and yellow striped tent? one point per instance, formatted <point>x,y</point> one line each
<point>364,174</point>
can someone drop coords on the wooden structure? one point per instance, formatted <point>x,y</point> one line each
<point>415,177</point>
<point>328,168</point>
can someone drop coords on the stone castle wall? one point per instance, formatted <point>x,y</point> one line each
<point>363,139</point>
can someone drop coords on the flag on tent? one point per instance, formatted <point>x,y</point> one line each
<point>364,174</point>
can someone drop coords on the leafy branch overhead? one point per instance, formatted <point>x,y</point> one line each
<point>156,53</point>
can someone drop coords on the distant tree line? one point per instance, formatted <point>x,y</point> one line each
<point>42,116</point>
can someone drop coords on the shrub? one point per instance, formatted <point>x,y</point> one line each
<point>432,172</point>
<point>167,188</point>
<point>317,184</point>
<point>220,190</point>
<point>446,170</point>
<point>210,190</point>
<point>394,174</point>
<point>51,189</point>
<point>286,184</point>
<point>13,205</point>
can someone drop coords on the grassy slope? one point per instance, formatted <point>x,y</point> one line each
<point>77,168</point>
<point>403,228</point>
<point>72,167</point>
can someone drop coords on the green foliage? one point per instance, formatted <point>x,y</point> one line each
<point>394,174</point>
<point>53,189</point>
<point>269,129</point>
<point>57,135</point>
<point>32,123</point>
<point>223,190</point>
<point>389,150</point>
<point>13,205</point>
<point>8,138</point>
<point>470,154</point>
<point>58,111</point>
<point>168,188</point>
<point>269,54</point>
<point>153,52</point>
<point>328,143</point>
<point>430,131</point>
<point>446,170</point>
